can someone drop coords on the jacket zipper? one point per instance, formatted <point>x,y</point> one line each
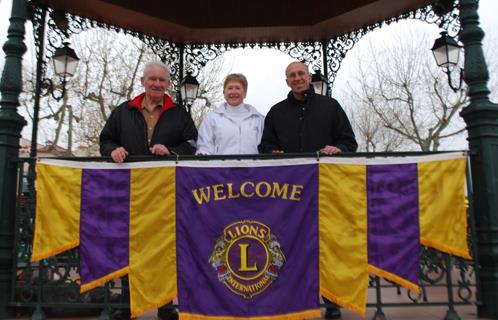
<point>145,132</point>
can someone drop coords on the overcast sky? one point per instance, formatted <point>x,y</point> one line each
<point>265,69</point>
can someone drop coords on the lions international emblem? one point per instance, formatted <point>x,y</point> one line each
<point>247,258</point>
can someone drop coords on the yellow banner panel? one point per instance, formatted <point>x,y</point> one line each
<point>57,226</point>
<point>343,235</point>
<point>152,238</point>
<point>442,205</point>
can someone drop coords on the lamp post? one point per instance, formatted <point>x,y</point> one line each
<point>481,118</point>
<point>447,53</point>
<point>65,61</point>
<point>11,123</point>
<point>189,88</point>
<point>320,83</point>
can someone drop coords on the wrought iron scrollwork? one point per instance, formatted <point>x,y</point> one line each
<point>433,281</point>
<point>197,56</point>
<point>61,26</point>
<point>466,279</point>
<point>37,16</point>
<point>307,52</point>
<point>338,47</point>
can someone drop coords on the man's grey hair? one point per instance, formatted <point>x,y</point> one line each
<point>158,64</point>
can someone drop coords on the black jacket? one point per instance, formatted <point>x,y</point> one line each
<point>126,127</point>
<point>307,126</point>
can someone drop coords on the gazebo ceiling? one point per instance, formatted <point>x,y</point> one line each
<point>224,21</point>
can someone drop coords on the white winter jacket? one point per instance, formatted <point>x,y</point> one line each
<point>221,134</point>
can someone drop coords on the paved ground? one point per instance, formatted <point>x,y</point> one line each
<point>432,313</point>
<point>419,313</point>
<point>416,313</point>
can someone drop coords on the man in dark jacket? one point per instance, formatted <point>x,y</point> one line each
<point>150,123</point>
<point>305,121</point>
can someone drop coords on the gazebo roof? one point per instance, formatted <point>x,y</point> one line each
<point>223,21</point>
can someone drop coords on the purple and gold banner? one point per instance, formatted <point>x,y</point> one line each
<point>259,239</point>
<point>247,242</point>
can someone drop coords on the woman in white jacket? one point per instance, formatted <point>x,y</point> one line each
<point>234,127</point>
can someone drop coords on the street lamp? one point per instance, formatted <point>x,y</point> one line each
<point>319,82</point>
<point>189,87</point>
<point>65,63</point>
<point>447,52</point>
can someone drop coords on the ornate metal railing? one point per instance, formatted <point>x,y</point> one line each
<point>51,287</point>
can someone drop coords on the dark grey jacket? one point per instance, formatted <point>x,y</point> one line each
<point>307,126</point>
<point>126,127</point>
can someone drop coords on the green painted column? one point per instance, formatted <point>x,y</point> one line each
<point>481,117</point>
<point>11,124</point>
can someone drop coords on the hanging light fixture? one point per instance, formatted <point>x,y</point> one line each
<point>447,53</point>
<point>189,87</point>
<point>65,61</point>
<point>319,82</point>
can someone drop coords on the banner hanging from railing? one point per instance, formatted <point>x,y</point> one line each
<point>252,238</point>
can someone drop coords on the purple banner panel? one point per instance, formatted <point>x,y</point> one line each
<point>247,241</point>
<point>393,225</point>
<point>104,222</point>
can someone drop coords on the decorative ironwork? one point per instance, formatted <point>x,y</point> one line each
<point>197,56</point>
<point>62,26</point>
<point>434,268</point>
<point>307,52</point>
<point>55,281</point>
<point>338,47</point>
<point>52,283</point>
<point>37,16</point>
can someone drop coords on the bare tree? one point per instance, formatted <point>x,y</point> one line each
<point>401,99</point>
<point>371,136</point>
<point>108,74</point>
<point>211,79</point>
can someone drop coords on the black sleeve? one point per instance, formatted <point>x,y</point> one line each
<point>189,136</point>
<point>343,132</point>
<point>269,140</point>
<point>109,136</point>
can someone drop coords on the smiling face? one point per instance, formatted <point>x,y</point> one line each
<point>234,92</point>
<point>298,79</point>
<point>155,82</point>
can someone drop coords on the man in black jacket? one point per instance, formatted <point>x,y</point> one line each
<point>305,121</point>
<point>149,124</point>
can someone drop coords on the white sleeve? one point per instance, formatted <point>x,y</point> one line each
<point>205,140</point>
<point>261,124</point>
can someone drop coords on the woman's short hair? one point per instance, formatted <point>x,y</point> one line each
<point>239,77</point>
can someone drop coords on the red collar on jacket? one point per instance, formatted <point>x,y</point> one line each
<point>136,102</point>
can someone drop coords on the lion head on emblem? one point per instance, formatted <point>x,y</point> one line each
<point>218,258</point>
<point>277,257</point>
